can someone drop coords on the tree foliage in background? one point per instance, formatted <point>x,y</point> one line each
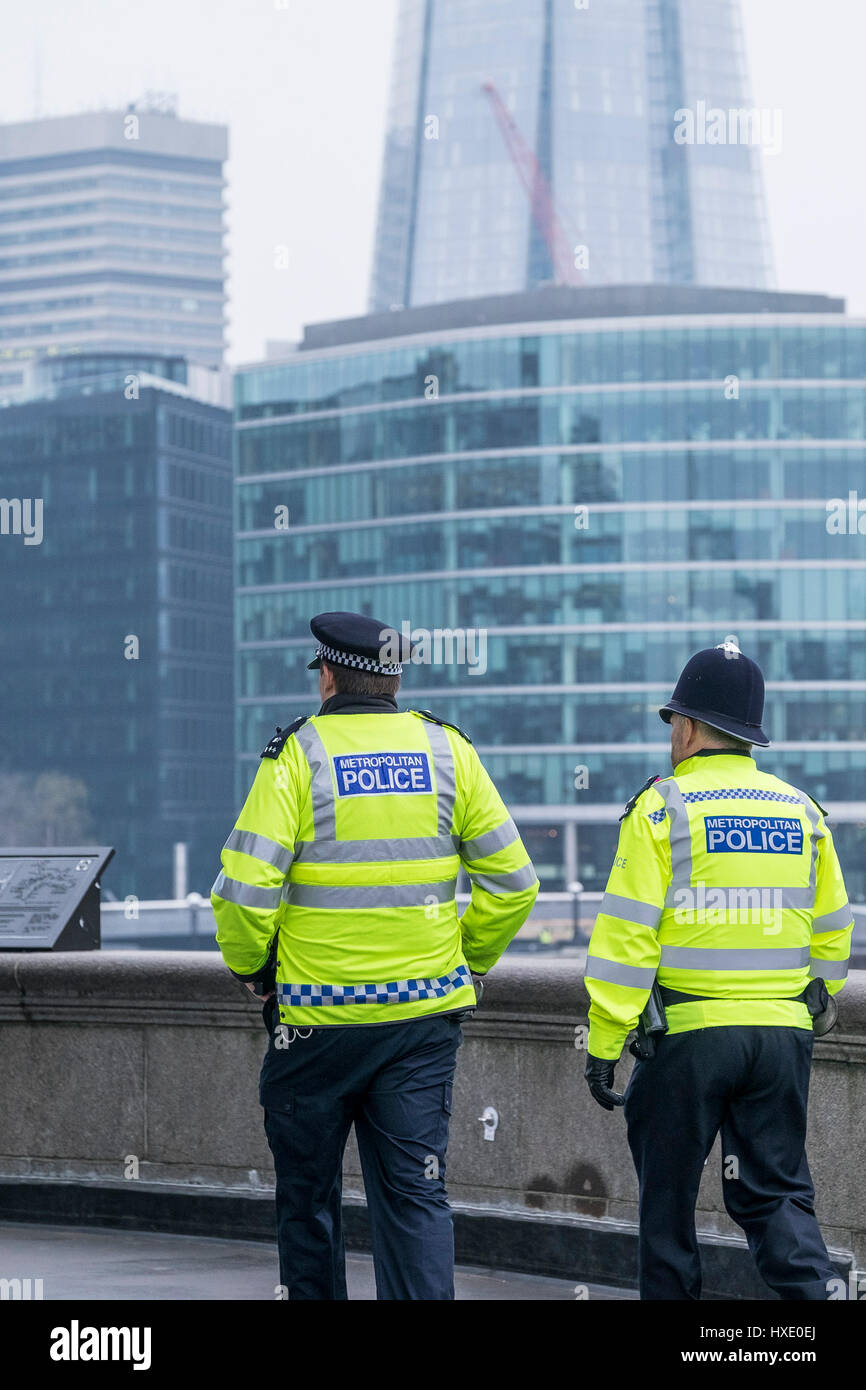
<point>50,809</point>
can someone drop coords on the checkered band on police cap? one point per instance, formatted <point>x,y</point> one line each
<point>358,663</point>
<point>360,642</point>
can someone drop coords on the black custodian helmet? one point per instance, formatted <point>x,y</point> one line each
<point>723,688</point>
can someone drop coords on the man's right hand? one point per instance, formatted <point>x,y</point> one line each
<point>599,1072</point>
<point>251,986</point>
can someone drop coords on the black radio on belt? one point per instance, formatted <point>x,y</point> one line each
<point>652,1024</point>
<point>267,979</point>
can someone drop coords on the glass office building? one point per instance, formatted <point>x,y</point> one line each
<point>115,626</point>
<point>111,238</point>
<point>636,113</point>
<point>603,482</point>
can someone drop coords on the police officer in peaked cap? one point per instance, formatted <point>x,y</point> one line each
<point>336,902</point>
<point>723,935</point>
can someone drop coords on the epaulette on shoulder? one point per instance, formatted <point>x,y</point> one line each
<point>824,813</point>
<point>278,742</point>
<point>632,802</point>
<point>446,723</point>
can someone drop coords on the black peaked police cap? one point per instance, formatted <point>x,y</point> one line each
<point>724,689</point>
<point>365,644</point>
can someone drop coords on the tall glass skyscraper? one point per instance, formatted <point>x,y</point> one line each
<point>115,626</point>
<point>603,482</point>
<point>111,238</point>
<point>636,113</point>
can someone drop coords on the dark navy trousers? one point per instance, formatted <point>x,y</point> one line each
<point>752,1084</point>
<point>393,1081</point>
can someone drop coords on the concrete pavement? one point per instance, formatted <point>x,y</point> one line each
<point>98,1263</point>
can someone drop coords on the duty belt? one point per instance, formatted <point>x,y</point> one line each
<point>823,1009</point>
<point>675,996</point>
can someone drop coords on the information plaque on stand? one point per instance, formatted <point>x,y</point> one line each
<point>49,898</point>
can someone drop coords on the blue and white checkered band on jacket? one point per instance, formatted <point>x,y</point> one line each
<point>394,992</point>
<point>360,663</point>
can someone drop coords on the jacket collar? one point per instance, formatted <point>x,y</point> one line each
<point>360,704</point>
<point>736,765</point>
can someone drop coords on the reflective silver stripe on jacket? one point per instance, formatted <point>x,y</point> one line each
<point>838,920</point>
<point>615,973</point>
<point>353,897</point>
<point>374,851</point>
<point>703,897</point>
<point>815,835</point>
<point>829,969</point>
<point>514,882</point>
<point>630,910</point>
<point>259,847</point>
<point>736,958</point>
<point>443,769</point>
<point>321,787</point>
<point>490,842</point>
<point>680,837</point>
<point>245,894</point>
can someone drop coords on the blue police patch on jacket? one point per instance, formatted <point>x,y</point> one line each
<point>377,774</point>
<point>753,835</point>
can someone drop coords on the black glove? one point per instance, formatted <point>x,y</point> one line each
<point>822,1006</point>
<point>599,1073</point>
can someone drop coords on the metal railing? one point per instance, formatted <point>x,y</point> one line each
<point>557,920</point>
<point>188,923</point>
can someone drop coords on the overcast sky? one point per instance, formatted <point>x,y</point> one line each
<point>302,85</point>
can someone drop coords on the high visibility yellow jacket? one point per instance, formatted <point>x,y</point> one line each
<point>349,846</point>
<point>725,884</point>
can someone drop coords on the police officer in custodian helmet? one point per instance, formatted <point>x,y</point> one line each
<point>727,893</point>
<point>341,873</point>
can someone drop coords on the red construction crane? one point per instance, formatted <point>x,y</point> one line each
<point>540,197</point>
